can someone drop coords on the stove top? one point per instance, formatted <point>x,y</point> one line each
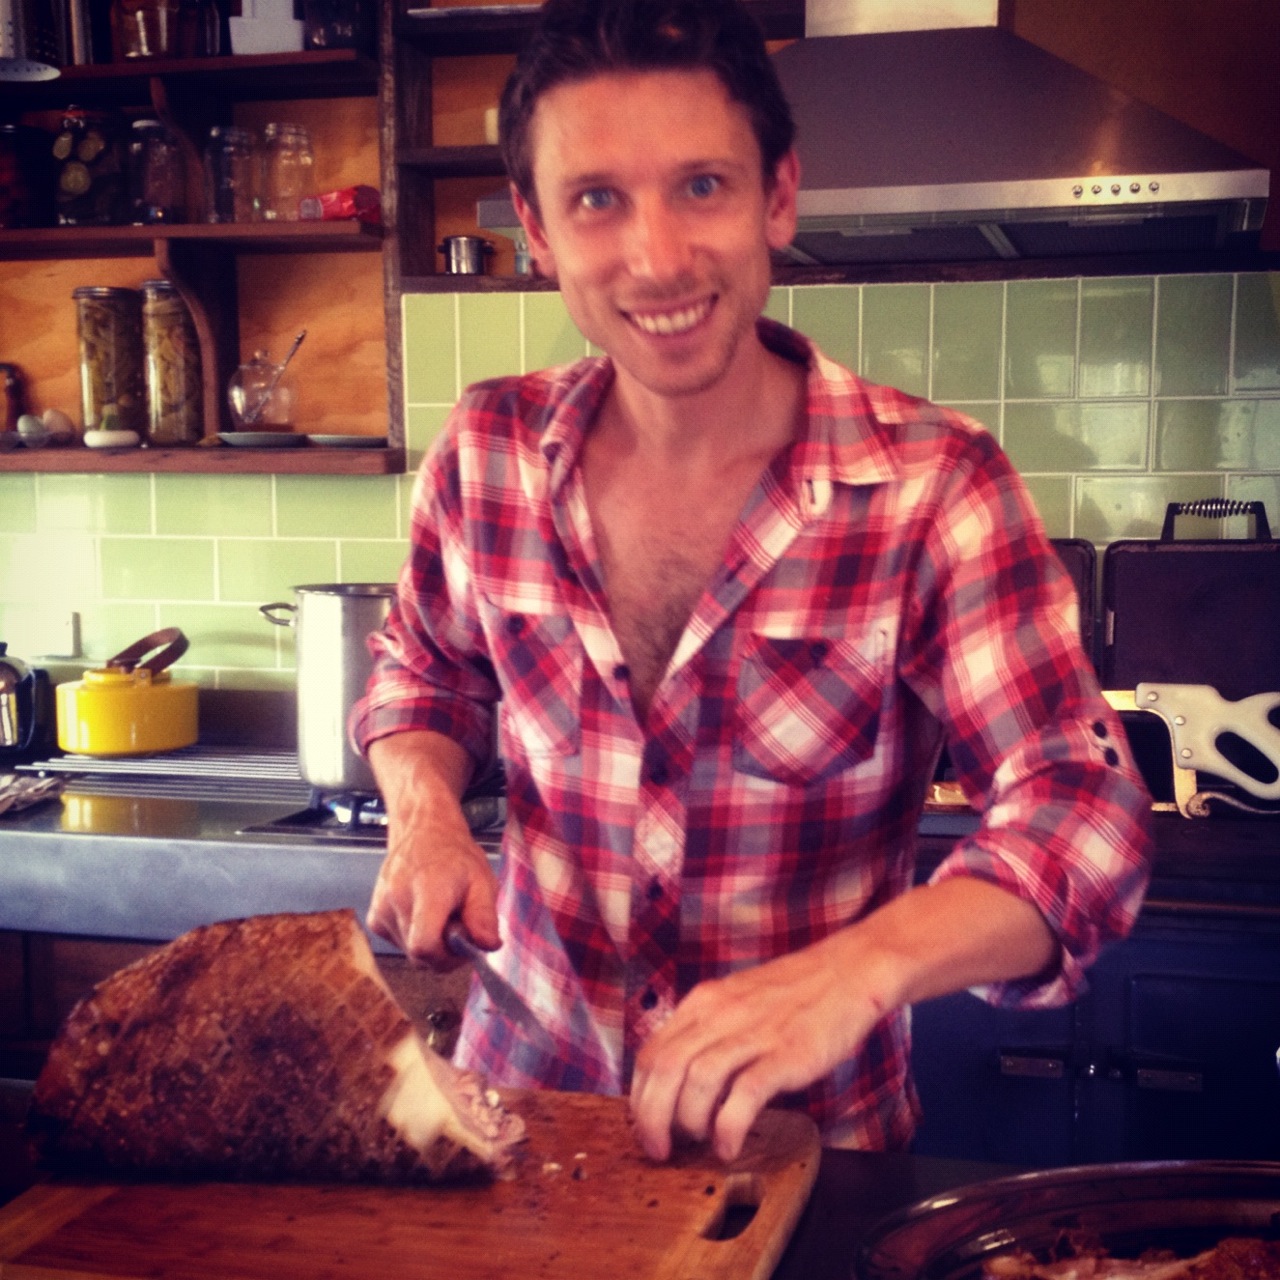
<point>362,819</point>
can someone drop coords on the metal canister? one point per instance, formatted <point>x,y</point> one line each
<point>112,382</point>
<point>172,361</point>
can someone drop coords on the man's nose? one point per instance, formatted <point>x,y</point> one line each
<point>658,246</point>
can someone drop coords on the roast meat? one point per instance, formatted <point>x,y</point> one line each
<point>265,1048</point>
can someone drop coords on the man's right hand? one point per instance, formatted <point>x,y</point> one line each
<point>433,869</point>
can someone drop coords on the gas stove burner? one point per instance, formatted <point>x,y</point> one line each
<point>353,810</point>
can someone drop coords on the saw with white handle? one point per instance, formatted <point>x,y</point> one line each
<point>1198,717</point>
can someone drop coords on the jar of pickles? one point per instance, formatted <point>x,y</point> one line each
<point>89,154</point>
<point>112,387</point>
<point>172,357</point>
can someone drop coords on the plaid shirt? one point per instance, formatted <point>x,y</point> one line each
<point>888,587</point>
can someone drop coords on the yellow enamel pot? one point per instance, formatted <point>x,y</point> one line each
<point>128,707</point>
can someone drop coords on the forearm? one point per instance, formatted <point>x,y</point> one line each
<point>941,938</point>
<point>419,771</point>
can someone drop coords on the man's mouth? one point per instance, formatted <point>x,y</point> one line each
<point>666,323</point>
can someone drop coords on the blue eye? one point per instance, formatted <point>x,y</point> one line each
<point>704,185</point>
<point>597,198</point>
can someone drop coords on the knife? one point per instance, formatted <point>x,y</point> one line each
<point>504,996</point>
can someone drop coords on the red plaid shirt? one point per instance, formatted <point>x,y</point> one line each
<point>888,587</point>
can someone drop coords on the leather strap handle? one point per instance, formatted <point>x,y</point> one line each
<point>170,642</point>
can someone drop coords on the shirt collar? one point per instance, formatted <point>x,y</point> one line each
<point>842,441</point>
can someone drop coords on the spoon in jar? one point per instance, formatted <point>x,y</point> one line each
<point>254,413</point>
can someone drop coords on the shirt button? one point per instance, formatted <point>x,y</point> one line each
<point>1111,756</point>
<point>515,624</point>
<point>622,672</point>
<point>818,650</point>
<point>654,891</point>
<point>649,999</point>
<point>1100,729</point>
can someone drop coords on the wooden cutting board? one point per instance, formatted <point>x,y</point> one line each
<point>584,1203</point>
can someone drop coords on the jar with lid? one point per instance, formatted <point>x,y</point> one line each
<point>89,152</point>
<point>157,175</point>
<point>109,329</point>
<point>230,177</point>
<point>287,162</point>
<point>172,356</point>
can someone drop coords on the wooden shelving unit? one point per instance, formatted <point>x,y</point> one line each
<point>199,258</point>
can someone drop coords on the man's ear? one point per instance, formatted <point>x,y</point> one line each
<point>780,202</point>
<point>534,234</point>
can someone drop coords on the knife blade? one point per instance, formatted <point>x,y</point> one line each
<point>504,996</point>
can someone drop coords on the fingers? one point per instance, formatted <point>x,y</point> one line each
<point>704,1084</point>
<point>420,885</point>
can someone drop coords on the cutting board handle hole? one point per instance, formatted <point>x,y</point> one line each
<point>743,1193</point>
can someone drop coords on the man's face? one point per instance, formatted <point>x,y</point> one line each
<point>656,222</point>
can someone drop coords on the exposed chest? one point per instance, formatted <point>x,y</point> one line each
<point>660,544</point>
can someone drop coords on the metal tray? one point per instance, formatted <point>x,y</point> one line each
<point>1182,1205</point>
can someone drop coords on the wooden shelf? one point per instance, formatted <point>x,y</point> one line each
<point>139,242</point>
<point>456,30</point>
<point>264,77</point>
<point>454,162</point>
<point>212,460</point>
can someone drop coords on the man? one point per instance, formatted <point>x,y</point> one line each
<point>726,602</point>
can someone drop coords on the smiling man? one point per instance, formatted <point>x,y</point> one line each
<point>726,602</point>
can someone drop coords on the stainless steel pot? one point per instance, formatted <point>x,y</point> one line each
<point>466,255</point>
<point>332,623</point>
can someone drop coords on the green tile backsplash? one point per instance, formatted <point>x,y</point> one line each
<point>1113,397</point>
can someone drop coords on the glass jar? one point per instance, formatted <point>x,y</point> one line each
<point>231,189</point>
<point>89,152</point>
<point>172,356</point>
<point>287,162</point>
<point>259,397</point>
<point>157,174</point>
<point>109,329</point>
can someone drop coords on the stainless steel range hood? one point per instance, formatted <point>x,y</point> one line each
<point>969,143</point>
<point>963,143</point>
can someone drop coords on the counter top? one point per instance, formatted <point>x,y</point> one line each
<point>149,868</point>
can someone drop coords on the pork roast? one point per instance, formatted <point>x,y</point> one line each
<point>265,1048</point>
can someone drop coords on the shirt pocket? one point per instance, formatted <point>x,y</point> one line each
<point>808,707</point>
<point>538,659</point>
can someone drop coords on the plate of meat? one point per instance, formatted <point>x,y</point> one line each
<point>1157,1220</point>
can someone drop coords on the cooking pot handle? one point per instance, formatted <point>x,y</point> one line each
<point>267,612</point>
<point>170,642</point>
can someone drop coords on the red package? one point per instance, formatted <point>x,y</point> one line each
<point>359,202</point>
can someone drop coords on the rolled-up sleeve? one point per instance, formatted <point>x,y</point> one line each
<point>430,664</point>
<point>1065,815</point>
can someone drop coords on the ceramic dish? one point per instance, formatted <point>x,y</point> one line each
<point>350,442</point>
<point>1182,1205</point>
<point>262,439</point>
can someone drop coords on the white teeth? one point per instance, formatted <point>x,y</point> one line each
<point>670,322</point>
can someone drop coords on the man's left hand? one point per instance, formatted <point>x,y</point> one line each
<point>734,1043</point>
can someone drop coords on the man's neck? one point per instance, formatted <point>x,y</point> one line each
<point>755,412</point>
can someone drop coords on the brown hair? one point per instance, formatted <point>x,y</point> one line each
<point>577,39</point>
